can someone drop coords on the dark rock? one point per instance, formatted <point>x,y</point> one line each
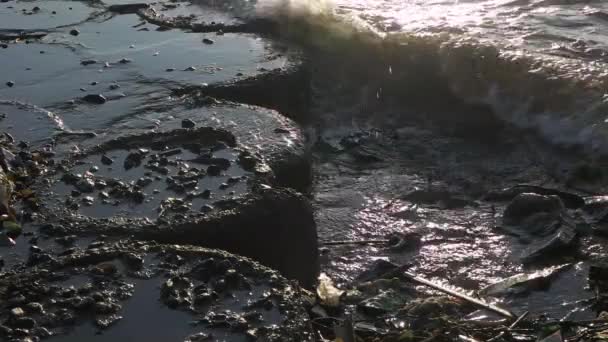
<point>559,244</point>
<point>10,83</point>
<point>527,204</point>
<point>88,62</point>
<point>208,41</point>
<point>74,32</point>
<point>24,323</point>
<point>35,308</point>
<point>86,185</point>
<point>214,170</point>
<point>105,160</point>
<point>281,131</point>
<point>206,208</point>
<point>95,98</point>
<point>128,8</point>
<point>133,160</point>
<point>187,123</point>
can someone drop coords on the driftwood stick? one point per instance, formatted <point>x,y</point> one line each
<point>353,242</point>
<point>462,296</point>
<point>503,333</point>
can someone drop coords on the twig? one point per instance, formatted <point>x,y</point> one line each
<point>503,333</point>
<point>353,242</point>
<point>462,296</point>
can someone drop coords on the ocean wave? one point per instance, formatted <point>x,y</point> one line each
<point>559,94</point>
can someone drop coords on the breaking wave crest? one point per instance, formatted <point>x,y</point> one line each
<point>562,99</point>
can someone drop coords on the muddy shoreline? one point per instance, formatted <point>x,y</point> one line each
<point>160,153</point>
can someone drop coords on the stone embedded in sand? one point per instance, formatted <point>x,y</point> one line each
<point>208,41</point>
<point>10,84</point>
<point>95,98</point>
<point>523,206</point>
<point>128,8</point>
<point>88,62</point>
<point>74,32</point>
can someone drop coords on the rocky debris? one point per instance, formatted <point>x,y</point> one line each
<point>95,98</point>
<point>207,278</point>
<point>273,226</point>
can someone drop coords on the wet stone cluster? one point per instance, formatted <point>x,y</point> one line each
<point>224,294</point>
<point>195,175</point>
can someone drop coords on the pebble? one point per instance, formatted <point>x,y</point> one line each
<point>187,123</point>
<point>74,32</point>
<point>94,83</point>
<point>170,69</point>
<point>190,68</point>
<point>125,61</point>
<point>17,312</point>
<point>208,41</point>
<point>10,83</point>
<point>114,86</point>
<point>88,61</point>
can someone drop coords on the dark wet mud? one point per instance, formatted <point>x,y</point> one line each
<point>176,124</point>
